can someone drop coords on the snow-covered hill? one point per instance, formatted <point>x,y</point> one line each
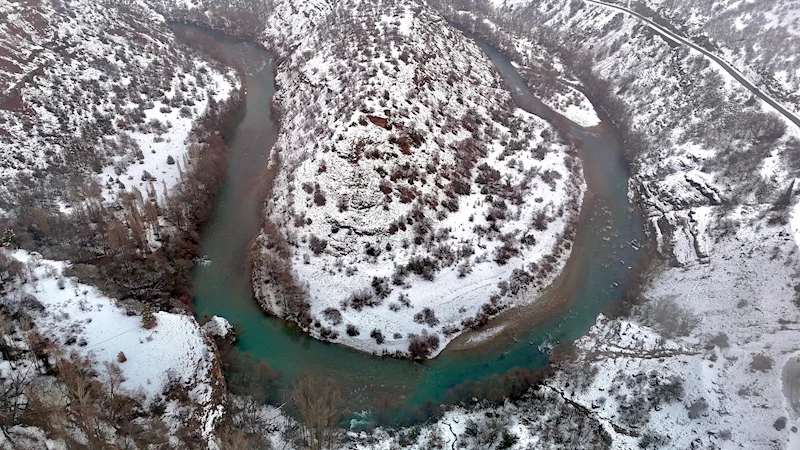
<point>409,186</point>
<point>696,136</point>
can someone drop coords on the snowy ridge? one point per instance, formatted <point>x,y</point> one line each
<point>407,179</point>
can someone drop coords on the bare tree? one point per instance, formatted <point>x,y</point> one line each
<point>318,401</point>
<point>13,401</point>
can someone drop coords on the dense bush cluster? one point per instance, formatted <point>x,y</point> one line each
<point>422,345</point>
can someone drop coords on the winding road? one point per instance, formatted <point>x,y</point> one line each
<point>721,62</point>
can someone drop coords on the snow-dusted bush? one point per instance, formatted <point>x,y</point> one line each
<point>426,316</point>
<point>422,345</point>
<point>669,317</point>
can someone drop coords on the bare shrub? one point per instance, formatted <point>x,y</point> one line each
<point>422,266</point>
<point>653,440</point>
<point>378,336</point>
<point>399,276</point>
<point>666,316</point>
<point>464,269</point>
<point>720,340</point>
<point>380,285</point>
<point>761,363</point>
<point>667,391</point>
<point>427,317</point>
<point>698,408</point>
<point>318,403</point>
<point>332,315</point>
<point>352,330</point>
<point>329,334</point>
<point>421,346</point>
<point>319,196</point>
<point>148,318</point>
<point>362,298</point>
<point>317,245</point>
<point>505,252</point>
<point>491,432</point>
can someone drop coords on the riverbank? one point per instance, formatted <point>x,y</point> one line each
<point>291,351</point>
<point>509,325</point>
<point>595,155</point>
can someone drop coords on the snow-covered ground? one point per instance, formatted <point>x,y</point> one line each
<point>542,420</point>
<point>101,330</point>
<point>165,156</point>
<point>559,92</point>
<point>741,305</point>
<point>172,351</point>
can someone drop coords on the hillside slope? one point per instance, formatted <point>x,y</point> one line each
<point>80,370</point>
<point>762,39</point>
<point>97,99</point>
<point>110,145</point>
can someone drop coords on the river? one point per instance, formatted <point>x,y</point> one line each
<point>598,271</point>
